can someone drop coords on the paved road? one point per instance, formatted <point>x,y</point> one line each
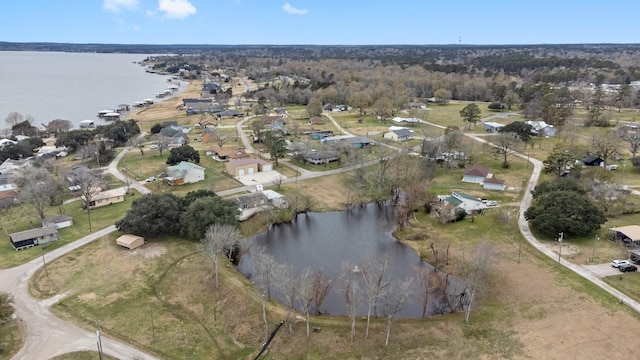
<point>46,335</point>
<point>523,225</point>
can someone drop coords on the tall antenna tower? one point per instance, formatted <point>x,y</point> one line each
<point>459,48</point>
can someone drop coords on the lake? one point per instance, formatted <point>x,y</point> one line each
<point>327,240</point>
<point>73,86</point>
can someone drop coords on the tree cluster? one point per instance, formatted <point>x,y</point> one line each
<point>155,215</point>
<point>563,206</point>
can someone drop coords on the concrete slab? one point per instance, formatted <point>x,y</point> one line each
<point>263,178</point>
<point>603,270</point>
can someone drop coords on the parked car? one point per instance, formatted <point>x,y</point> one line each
<point>617,263</point>
<point>627,268</point>
<point>150,179</point>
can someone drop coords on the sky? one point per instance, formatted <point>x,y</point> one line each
<point>321,22</point>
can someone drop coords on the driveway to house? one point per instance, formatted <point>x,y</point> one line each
<point>113,169</point>
<point>582,270</point>
<point>46,335</point>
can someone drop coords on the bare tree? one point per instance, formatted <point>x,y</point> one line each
<point>264,270</point>
<point>505,143</point>
<point>217,238</point>
<point>606,146</point>
<point>88,186</point>
<point>321,286</point>
<point>476,272</point>
<point>219,138</point>
<point>376,281</point>
<point>288,284</point>
<point>353,295</point>
<point>395,300</point>
<point>14,118</point>
<point>39,188</point>
<point>278,181</point>
<point>306,292</point>
<point>137,142</point>
<point>161,142</point>
<point>423,277</point>
<point>633,139</point>
<point>58,126</point>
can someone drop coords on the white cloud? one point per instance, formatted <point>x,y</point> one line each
<point>291,10</point>
<point>176,9</point>
<point>117,5</point>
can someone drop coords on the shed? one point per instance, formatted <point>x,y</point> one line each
<point>628,234</point>
<point>130,241</point>
<point>61,221</point>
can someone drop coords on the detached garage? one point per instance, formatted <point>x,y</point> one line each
<point>130,241</point>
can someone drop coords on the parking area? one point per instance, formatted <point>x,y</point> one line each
<point>264,178</point>
<point>603,270</point>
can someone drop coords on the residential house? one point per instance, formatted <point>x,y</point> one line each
<point>184,173</point>
<point>541,128</point>
<point>229,114</point>
<point>211,87</point>
<point>468,203</point>
<point>60,221</point>
<point>9,196</point>
<point>224,154</point>
<point>405,121</point>
<point>10,165</point>
<point>247,166</point>
<point>417,105</point>
<point>355,141</point>
<point>320,157</point>
<point>251,200</point>
<point>105,198</point>
<point>476,174</point>
<point>492,183</point>
<point>592,160</point>
<point>492,127</point>
<point>202,108</point>
<point>33,237</point>
<point>398,135</point>
<point>320,134</point>
<point>274,120</point>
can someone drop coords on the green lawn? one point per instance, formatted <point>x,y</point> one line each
<point>25,218</point>
<point>83,355</point>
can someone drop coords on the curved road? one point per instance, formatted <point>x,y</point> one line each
<point>523,225</point>
<point>46,335</point>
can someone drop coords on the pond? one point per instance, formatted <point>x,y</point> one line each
<point>329,239</point>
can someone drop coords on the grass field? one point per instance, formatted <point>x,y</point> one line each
<point>83,355</point>
<point>11,339</point>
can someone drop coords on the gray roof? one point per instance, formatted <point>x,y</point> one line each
<point>57,219</point>
<point>34,233</point>
<point>403,132</point>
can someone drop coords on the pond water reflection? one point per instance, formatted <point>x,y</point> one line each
<point>327,240</point>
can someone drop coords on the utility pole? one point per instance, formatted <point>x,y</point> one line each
<point>593,256</point>
<point>560,241</point>
<point>99,341</point>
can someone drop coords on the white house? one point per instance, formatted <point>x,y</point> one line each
<point>399,120</point>
<point>401,134</point>
<point>490,126</point>
<point>493,184</point>
<point>466,202</point>
<point>541,128</point>
<point>184,173</point>
<point>475,174</point>
<point>61,221</point>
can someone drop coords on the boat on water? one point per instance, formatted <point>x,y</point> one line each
<point>87,124</point>
<point>112,116</point>
<point>102,113</point>
<point>139,103</point>
<point>148,101</point>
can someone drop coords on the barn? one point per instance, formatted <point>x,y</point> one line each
<point>130,241</point>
